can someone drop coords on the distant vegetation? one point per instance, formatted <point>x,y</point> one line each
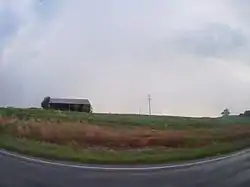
<point>115,138</point>
<point>225,113</point>
<point>246,114</point>
<point>45,103</point>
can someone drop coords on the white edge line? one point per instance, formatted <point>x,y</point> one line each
<point>3,152</point>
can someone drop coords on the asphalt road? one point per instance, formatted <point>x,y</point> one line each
<point>17,172</point>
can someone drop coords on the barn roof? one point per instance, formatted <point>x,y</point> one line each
<point>69,101</point>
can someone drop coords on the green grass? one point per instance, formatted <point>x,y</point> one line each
<point>53,151</point>
<point>156,122</point>
<point>156,155</point>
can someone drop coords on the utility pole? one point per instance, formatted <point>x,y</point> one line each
<point>149,104</point>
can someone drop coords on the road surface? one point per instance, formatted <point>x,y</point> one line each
<point>19,172</point>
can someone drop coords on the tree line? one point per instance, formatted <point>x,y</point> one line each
<point>226,113</point>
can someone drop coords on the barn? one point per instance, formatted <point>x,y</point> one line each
<point>66,104</point>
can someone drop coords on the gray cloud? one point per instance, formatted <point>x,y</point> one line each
<point>212,40</point>
<point>116,53</point>
<point>8,26</point>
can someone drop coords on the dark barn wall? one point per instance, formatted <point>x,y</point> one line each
<point>59,106</point>
<point>70,107</point>
<point>86,108</point>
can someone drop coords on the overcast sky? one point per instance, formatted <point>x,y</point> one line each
<point>192,56</point>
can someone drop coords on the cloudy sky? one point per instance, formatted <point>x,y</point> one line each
<point>192,56</point>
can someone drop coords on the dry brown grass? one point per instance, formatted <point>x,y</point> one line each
<point>83,134</point>
<point>5,121</point>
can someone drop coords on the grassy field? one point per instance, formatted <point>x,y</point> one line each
<point>113,138</point>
